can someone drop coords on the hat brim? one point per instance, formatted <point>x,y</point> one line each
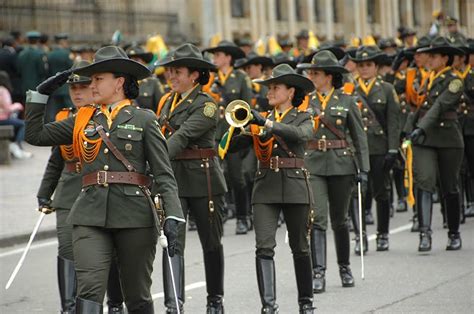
<point>447,50</point>
<point>338,52</point>
<point>329,68</point>
<point>294,80</point>
<point>264,61</point>
<point>186,62</point>
<point>115,65</point>
<point>146,56</point>
<point>235,52</point>
<point>81,80</point>
<point>376,58</point>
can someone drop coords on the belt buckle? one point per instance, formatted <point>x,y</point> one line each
<point>104,176</point>
<point>322,145</point>
<point>274,163</point>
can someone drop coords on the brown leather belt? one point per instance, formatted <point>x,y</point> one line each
<point>105,177</point>
<point>324,144</point>
<point>275,163</point>
<point>199,153</point>
<point>73,166</point>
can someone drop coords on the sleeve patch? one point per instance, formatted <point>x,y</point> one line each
<point>210,109</point>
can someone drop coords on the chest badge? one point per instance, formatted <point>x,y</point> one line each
<point>209,109</point>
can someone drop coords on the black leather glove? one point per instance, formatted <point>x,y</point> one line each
<point>363,178</point>
<point>171,231</point>
<point>416,135</point>
<point>44,205</point>
<point>258,119</point>
<point>390,159</point>
<point>48,86</point>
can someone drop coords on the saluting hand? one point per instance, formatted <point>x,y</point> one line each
<point>48,86</point>
<point>258,119</point>
<point>171,231</point>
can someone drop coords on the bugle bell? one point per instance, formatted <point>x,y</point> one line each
<point>238,113</point>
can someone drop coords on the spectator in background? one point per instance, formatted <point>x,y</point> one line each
<point>8,117</point>
<point>8,63</point>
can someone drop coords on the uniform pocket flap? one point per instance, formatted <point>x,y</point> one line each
<point>132,190</point>
<point>295,173</point>
<point>130,135</point>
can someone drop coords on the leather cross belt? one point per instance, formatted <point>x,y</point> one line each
<point>73,166</point>
<point>324,144</point>
<point>275,163</point>
<point>104,178</point>
<point>198,153</point>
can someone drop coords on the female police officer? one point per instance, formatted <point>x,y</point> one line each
<point>281,182</point>
<point>438,143</point>
<point>189,120</point>
<point>333,163</point>
<point>115,142</point>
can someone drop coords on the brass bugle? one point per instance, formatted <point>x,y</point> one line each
<point>238,113</point>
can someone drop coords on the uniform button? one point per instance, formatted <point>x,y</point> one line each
<point>306,153</point>
<point>437,93</point>
<point>339,113</point>
<point>106,151</point>
<point>322,125</point>
<point>365,128</point>
<point>129,136</point>
<point>378,100</point>
<point>322,113</point>
<point>137,193</point>
<point>106,167</point>
<point>145,94</point>
<point>275,145</point>
<point>404,111</point>
<point>465,111</point>
<point>259,172</point>
<point>297,172</point>
<point>233,91</point>
<point>365,109</point>
<point>107,133</point>
<point>381,132</point>
<point>441,124</point>
<point>324,136</point>
<point>345,153</point>
<point>85,143</point>
<point>82,190</point>
<point>202,165</point>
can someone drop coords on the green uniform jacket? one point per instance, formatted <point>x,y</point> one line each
<point>33,67</point>
<point>194,123</point>
<point>382,134</point>
<point>287,186</point>
<point>343,113</point>
<point>467,105</point>
<point>65,185</point>
<point>237,86</point>
<point>150,93</point>
<point>58,60</point>
<point>136,134</point>
<point>441,100</point>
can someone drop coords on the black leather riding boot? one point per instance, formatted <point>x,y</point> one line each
<point>67,285</point>
<point>214,267</point>
<point>453,210</point>
<point>424,204</point>
<point>177,263</point>
<point>318,256</point>
<point>266,284</point>
<point>84,306</point>
<point>342,242</point>
<point>304,283</point>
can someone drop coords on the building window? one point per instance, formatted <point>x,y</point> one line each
<point>371,11</point>
<point>299,10</point>
<point>237,8</point>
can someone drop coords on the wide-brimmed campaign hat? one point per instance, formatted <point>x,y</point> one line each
<point>186,55</point>
<point>461,44</point>
<point>282,58</point>
<point>227,47</point>
<point>367,53</point>
<point>285,74</point>
<point>441,45</point>
<point>76,78</point>
<point>324,60</point>
<point>422,42</point>
<point>139,52</point>
<point>337,51</point>
<point>113,59</point>
<point>253,58</point>
<point>404,54</point>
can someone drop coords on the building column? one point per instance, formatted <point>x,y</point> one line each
<point>291,19</point>
<point>383,20</point>
<point>262,19</point>
<point>226,16</point>
<point>455,6</point>
<point>395,16</point>
<point>436,5</point>
<point>271,18</point>
<point>363,17</point>
<point>253,20</point>
<point>409,14</point>
<point>310,12</point>
<point>218,17</point>
<point>470,19</point>
<point>329,20</point>
<point>357,15</point>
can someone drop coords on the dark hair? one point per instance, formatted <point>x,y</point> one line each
<point>337,79</point>
<point>298,97</point>
<point>204,75</point>
<point>450,60</point>
<point>130,86</point>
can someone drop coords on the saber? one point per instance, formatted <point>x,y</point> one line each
<point>359,192</point>
<point>163,240</point>
<point>25,251</point>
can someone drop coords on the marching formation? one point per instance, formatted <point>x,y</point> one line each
<point>300,138</point>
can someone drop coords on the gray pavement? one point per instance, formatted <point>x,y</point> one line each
<point>19,183</point>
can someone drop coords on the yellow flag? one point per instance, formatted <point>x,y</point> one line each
<point>368,41</point>
<point>313,42</point>
<point>273,46</point>
<point>215,39</point>
<point>260,48</point>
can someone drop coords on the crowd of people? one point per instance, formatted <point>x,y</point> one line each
<point>226,131</point>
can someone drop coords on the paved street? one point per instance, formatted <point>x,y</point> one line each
<point>399,281</point>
